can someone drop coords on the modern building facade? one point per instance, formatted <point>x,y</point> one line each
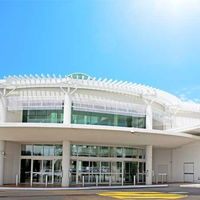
<point>78,130</point>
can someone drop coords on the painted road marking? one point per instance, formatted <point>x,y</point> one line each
<point>142,195</point>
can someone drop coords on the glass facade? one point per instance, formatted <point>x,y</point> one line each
<point>94,118</point>
<point>40,163</point>
<point>114,165</point>
<point>83,117</point>
<point>45,161</point>
<point>43,116</point>
<point>107,151</point>
<point>41,150</point>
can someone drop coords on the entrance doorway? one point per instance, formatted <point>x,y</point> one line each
<point>188,170</point>
<point>41,171</point>
<point>94,172</point>
<point>130,170</point>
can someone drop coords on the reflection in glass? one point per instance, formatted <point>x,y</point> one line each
<point>58,150</point>
<point>26,149</point>
<point>49,150</point>
<point>95,118</point>
<point>58,171</point>
<point>38,150</point>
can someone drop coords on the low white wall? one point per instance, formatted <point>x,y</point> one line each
<point>11,164</point>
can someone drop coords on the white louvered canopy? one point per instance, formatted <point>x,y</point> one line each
<point>34,103</point>
<point>83,81</point>
<point>102,105</point>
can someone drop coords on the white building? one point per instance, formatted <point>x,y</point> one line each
<point>77,129</point>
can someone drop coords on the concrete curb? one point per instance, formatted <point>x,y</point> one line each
<point>190,186</point>
<point>85,188</point>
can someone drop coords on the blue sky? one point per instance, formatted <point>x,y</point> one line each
<point>152,42</point>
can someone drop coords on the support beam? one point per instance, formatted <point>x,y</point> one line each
<point>149,118</point>
<point>2,152</point>
<point>65,163</point>
<point>148,165</point>
<point>67,109</point>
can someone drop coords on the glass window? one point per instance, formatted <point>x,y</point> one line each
<point>128,152</point>
<point>141,153</point>
<point>94,118</point>
<point>105,152</point>
<point>26,149</point>
<point>74,151</point>
<point>58,150</point>
<point>94,151</point>
<point>83,150</point>
<point>38,150</point>
<point>43,116</point>
<point>119,152</point>
<point>105,167</point>
<point>49,150</point>
<point>135,153</point>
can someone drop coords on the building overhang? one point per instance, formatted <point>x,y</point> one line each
<point>92,134</point>
<point>194,129</point>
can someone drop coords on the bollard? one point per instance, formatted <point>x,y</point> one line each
<point>31,181</point>
<point>96,180</point>
<point>83,181</point>
<point>17,180</point>
<point>110,181</point>
<point>46,180</point>
<point>134,180</point>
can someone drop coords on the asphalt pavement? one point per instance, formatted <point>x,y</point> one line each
<point>171,192</point>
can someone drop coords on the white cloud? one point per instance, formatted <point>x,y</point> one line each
<point>190,94</point>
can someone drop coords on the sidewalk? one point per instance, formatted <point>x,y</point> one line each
<point>13,187</point>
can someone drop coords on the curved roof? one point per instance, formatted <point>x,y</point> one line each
<point>84,81</point>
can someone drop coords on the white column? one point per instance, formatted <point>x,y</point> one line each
<point>67,109</point>
<point>3,109</point>
<point>148,165</point>
<point>65,163</point>
<point>2,152</point>
<point>149,117</point>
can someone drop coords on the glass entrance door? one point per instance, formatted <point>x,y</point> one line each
<point>25,171</point>
<point>37,171</point>
<point>130,170</point>
<point>42,171</point>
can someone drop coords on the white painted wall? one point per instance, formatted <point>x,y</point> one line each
<point>162,162</point>
<point>11,162</point>
<point>186,153</point>
<point>14,116</point>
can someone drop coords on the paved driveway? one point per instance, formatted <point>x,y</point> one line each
<point>172,192</point>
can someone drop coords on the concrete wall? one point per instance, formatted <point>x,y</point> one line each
<point>14,116</point>
<point>189,153</point>
<point>173,161</point>
<point>11,164</point>
<point>162,163</point>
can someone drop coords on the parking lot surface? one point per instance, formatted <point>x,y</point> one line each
<point>171,192</point>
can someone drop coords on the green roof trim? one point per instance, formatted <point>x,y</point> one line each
<point>80,76</point>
